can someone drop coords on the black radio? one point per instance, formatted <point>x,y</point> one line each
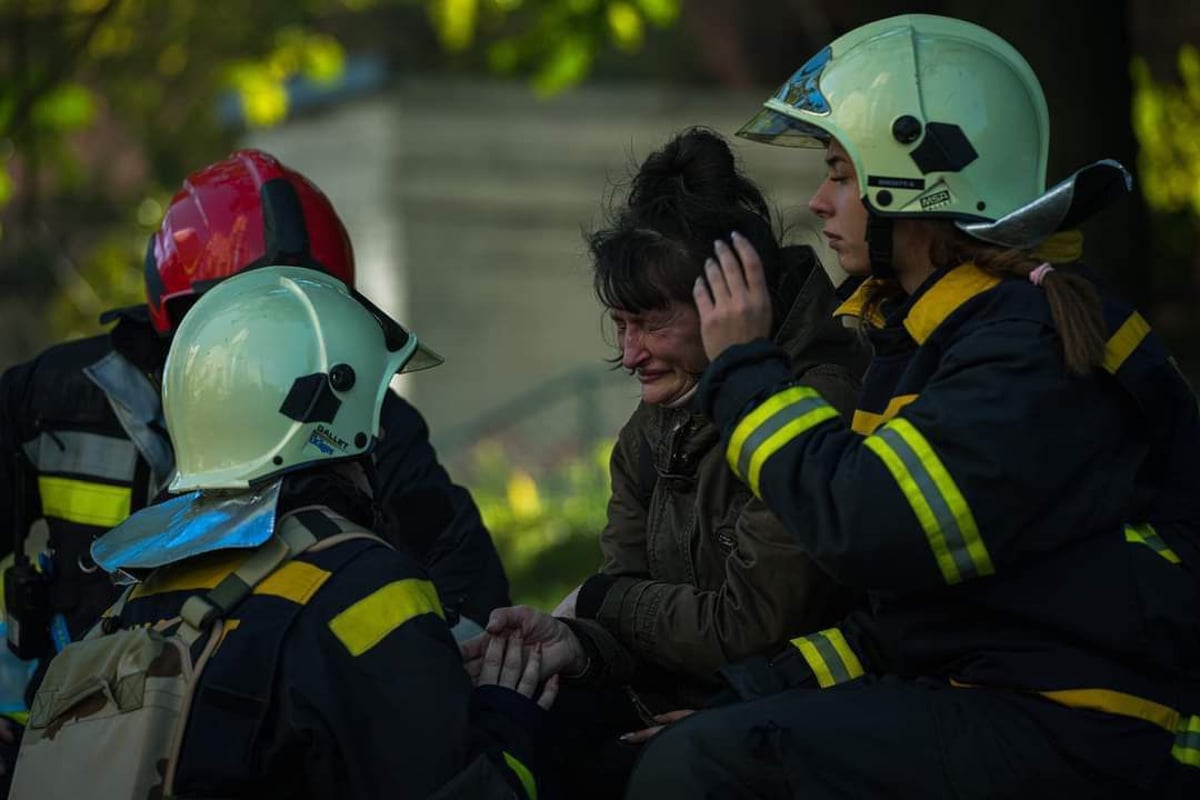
<point>27,611</point>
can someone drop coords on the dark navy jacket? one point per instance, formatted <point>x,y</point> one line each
<point>337,677</point>
<point>1015,526</point>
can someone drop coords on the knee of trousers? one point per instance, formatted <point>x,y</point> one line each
<point>690,753</point>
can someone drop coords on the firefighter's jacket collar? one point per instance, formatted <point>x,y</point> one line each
<point>939,297</point>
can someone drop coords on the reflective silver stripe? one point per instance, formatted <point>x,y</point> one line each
<point>138,407</point>
<point>83,454</point>
<point>832,660</point>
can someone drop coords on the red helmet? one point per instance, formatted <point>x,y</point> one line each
<point>246,211</point>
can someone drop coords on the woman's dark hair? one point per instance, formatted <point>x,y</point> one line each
<point>1074,301</point>
<point>683,198</point>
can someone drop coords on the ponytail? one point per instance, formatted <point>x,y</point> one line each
<point>1074,301</point>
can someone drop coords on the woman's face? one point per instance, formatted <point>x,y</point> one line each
<point>839,206</point>
<point>663,349</point>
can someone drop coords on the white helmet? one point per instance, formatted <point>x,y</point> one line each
<point>278,368</point>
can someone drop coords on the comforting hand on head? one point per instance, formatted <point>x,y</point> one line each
<point>732,297</point>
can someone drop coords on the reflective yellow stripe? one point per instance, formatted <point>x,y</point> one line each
<point>364,624</point>
<point>1145,534</point>
<point>202,572</point>
<point>297,581</point>
<point>84,502</point>
<point>865,422</point>
<point>1125,705</point>
<point>1187,742</point>
<point>945,297</point>
<point>939,506</point>
<point>751,421</point>
<point>830,657</point>
<point>1122,343</point>
<point>779,420</point>
<point>523,774</point>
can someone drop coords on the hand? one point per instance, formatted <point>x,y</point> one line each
<point>646,734</point>
<point>511,663</point>
<point>561,650</point>
<point>566,608</point>
<point>732,298</point>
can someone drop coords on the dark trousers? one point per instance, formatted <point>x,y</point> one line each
<point>587,760</point>
<point>893,738</point>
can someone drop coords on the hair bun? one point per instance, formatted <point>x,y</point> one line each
<point>695,170</point>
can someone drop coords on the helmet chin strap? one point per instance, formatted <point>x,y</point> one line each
<point>879,245</point>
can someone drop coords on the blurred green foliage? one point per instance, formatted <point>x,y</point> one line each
<point>105,105</point>
<point>1166,119</point>
<point>546,529</point>
<point>556,41</point>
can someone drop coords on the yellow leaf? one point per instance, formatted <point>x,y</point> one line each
<point>6,186</point>
<point>523,497</point>
<point>454,21</point>
<point>264,98</point>
<point>625,24</point>
<point>324,59</point>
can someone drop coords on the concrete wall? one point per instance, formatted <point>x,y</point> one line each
<point>466,203</point>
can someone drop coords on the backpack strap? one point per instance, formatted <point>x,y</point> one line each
<point>296,533</point>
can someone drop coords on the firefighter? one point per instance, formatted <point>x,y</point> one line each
<point>82,439</point>
<point>316,658</point>
<point>1018,491</point>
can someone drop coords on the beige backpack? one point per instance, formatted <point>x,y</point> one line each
<point>108,719</point>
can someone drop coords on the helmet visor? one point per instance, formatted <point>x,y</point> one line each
<point>779,123</point>
<point>773,127</point>
<point>398,339</point>
<point>422,358</point>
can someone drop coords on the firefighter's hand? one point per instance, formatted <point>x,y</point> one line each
<point>512,663</point>
<point>561,650</point>
<point>732,297</point>
<point>663,720</point>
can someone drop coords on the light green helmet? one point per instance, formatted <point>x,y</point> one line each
<point>941,118</point>
<point>277,368</point>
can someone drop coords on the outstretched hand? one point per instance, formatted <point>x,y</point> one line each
<point>512,663</point>
<point>732,297</point>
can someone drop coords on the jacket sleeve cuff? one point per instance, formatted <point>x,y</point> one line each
<point>514,706</point>
<point>742,376</point>
<point>607,659</point>
<point>591,595</point>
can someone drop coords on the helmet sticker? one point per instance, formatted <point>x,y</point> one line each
<point>890,182</point>
<point>327,441</point>
<point>935,200</point>
<point>802,91</point>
